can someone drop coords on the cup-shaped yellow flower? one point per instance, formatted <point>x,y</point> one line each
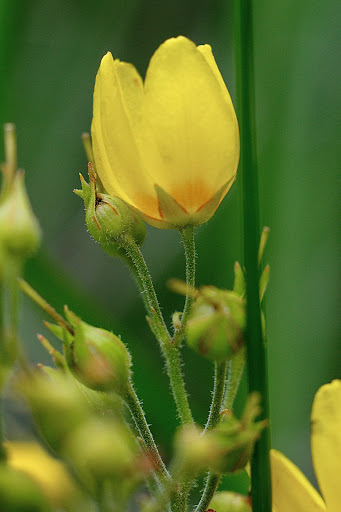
<point>290,488</point>
<point>168,147</point>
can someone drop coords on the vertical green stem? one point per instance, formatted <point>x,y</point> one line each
<point>256,352</point>
<point>218,394</point>
<point>137,413</point>
<point>187,235</point>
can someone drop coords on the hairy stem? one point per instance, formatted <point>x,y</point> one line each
<point>218,395</point>
<point>138,415</point>
<point>187,235</point>
<point>158,326</point>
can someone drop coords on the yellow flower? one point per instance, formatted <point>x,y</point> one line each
<point>169,147</point>
<point>291,490</point>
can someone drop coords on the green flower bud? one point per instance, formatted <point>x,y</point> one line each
<point>57,405</point>
<point>216,324</point>
<point>108,218</point>
<point>229,502</point>
<point>19,229</point>
<point>236,438</point>
<point>18,492</point>
<point>196,450</point>
<point>104,448</point>
<point>96,357</point>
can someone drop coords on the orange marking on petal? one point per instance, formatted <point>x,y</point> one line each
<point>192,195</point>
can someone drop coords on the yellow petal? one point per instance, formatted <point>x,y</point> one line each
<point>194,127</point>
<point>119,136</point>
<point>326,442</point>
<point>291,491</point>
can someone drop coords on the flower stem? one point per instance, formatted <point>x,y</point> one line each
<point>256,352</point>
<point>235,372</point>
<point>145,283</point>
<point>211,484</point>
<point>138,415</point>
<point>235,369</point>
<point>158,326</point>
<point>218,395</point>
<point>187,235</point>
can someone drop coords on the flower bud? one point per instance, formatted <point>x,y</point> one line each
<point>229,502</point>
<point>19,493</point>
<point>195,449</point>
<point>236,438</point>
<point>19,229</point>
<point>103,448</point>
<point>57,405</point>
<point>96,357</point>
<point>216,324</point>
<point>108,218</point>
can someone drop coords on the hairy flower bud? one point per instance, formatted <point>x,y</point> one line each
<point>216,324</point>
<point>96,357</point>
<point>108,218</point>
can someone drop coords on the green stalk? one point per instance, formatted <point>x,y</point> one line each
<point>235,369</point>
<point>211,485</point>
<point>187,235</point>
<point>235,372</point>
<point>158,326</point>
<point>137,413</point>
<point>218,395</point>
<point>256,351</point>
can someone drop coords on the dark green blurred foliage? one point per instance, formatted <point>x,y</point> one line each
<point>50,52</point>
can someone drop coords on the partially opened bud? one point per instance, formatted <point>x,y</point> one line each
<point>19,229</point>
<point>216,324</point>
<point>229,502</point>
<point>169,147</point>
<point>96,357</point>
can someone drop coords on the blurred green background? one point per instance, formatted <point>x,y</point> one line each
<point>50,52</point>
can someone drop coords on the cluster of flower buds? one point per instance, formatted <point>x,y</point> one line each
<point>97,447</point>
